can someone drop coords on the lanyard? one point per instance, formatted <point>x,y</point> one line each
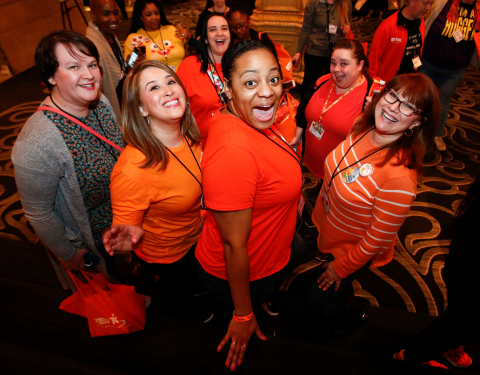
<point>184,166</point>
<point>335,173</point>
<point>325,109</point>
<point>217,83</point>
<point>162,48</point>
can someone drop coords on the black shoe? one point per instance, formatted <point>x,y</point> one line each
<point>353,319</point>
<point>271,308</point>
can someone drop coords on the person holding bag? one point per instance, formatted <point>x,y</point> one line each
<point>66,151</point>
<point>202,74</point>
<point>157,182</point>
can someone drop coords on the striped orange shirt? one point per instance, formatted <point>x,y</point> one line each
<point>364,216</point>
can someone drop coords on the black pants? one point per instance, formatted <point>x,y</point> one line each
<point>315,67</point>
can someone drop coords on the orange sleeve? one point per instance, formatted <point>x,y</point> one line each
<point>129,200</point>
<point>230,179</point>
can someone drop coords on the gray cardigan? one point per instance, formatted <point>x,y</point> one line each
<point>111,71</point>
<point>49,189</point>
<point>314,33</point>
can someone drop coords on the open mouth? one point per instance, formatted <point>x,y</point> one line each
<point>172,103</point>
<point>389,118</point>
<point>263,112</point>
<point>90,86</point>
<point>220,42</point>
<point>114,27</point>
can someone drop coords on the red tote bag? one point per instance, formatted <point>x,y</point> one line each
<point>111,309</point>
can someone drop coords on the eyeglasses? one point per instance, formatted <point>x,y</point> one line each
<point>239,27</point>
<point>405,108</point>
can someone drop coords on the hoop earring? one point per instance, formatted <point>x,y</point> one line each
<point>409,134</point>
<point>148,120</point>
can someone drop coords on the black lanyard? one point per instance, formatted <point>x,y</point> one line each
<point>99,126</point>
<point>184,166</point>
<point>270,139</point>
<point>335,173</point>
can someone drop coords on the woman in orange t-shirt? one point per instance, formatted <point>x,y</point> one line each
<point>202,74</point>
<point>252,183</point>
<point>156,184</point>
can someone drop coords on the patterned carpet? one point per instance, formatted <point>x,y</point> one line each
<point>412,282</point>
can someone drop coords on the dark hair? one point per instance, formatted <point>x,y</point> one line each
<point>202,45</point>
<point>240,8</point>
<point>134,126</point>
<point>419,90</point>
<point>209,3</point>
<point>358,53</point>
<point>237,50</point>
<point>138,8</point>
<point>45,54</point>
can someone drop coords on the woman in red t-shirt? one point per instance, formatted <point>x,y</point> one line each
<point>252,182</point>
<point>329,109</point>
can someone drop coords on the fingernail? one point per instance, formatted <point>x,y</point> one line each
<point>226,364</point>
<point>232,368</point>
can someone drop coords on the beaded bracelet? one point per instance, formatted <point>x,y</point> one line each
<point>243,318</point>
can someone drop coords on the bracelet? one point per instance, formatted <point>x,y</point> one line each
<point>243,318</point>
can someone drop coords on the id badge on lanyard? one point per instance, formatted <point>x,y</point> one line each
<point>317,130</point>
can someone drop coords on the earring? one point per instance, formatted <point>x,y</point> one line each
<point>206,41</point>
<point>229,96</point>
<point>95,25</point>
<point>188,103</point>
<point>409,134</point>
<point>148,120</point>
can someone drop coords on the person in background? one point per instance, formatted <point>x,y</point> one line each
<point>62,170</point>
<point>252,182</point>
<point>329,109</point>
<point>101,31</point>
<point>239,21</point>
<point>211,6</point>
<point>151,30</point>
<point>202,74</point>
<point>324,23</point>
<point>449,49</point>
<point>369,185</point>
<point>398,42</point>
<point>156,184</point>
<point>459,324</point>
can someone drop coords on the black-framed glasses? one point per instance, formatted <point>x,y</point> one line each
<point>406,108</point>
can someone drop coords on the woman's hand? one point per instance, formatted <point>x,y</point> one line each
<point>182,33</point>
<point>76,262</point>
<point>346,29</point>
<point>295,58</point>
<point>329,277</point>
<point>239,333</point>
<point>297,138</point>
<point>122,237</point>
<point>368,100</point>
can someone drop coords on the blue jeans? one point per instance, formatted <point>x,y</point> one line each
<point>446,81</point>
<point>261,290</point>
<point>331,303</point>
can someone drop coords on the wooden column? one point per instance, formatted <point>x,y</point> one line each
<point>282,20</point>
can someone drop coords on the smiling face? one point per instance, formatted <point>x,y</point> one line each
<point>150,17</point>
<point>77,78</point>
<point>240,25</point>
<point>255,88</point>
<point>163,99</point>
<point>106,15</point>
<point>344,68</point>
<point>218,36</point>
<point>390,123</point>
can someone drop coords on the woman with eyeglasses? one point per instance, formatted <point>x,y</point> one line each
<point>370,183</point>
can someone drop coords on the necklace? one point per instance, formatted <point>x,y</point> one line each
<point>164,51</point>
<point>112,154</point>
<point>271,140</point>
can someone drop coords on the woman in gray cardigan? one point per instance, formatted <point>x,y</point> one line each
<point>324,23</point>
<point>63,171</point>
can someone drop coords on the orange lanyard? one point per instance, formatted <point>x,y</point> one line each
<point>325,109</point>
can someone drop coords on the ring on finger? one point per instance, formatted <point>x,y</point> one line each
<point>330,282</point>
<point>244,345</point>
<point>234,343</point>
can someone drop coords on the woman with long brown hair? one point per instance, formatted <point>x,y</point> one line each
<point>369,185</point>
<point>156,184</point>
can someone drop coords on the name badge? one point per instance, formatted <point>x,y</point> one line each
<point>417,63</point>
<point>458,35</point>
<point>325,200</point>
<point>317,130</point>
<point>332,29</point>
